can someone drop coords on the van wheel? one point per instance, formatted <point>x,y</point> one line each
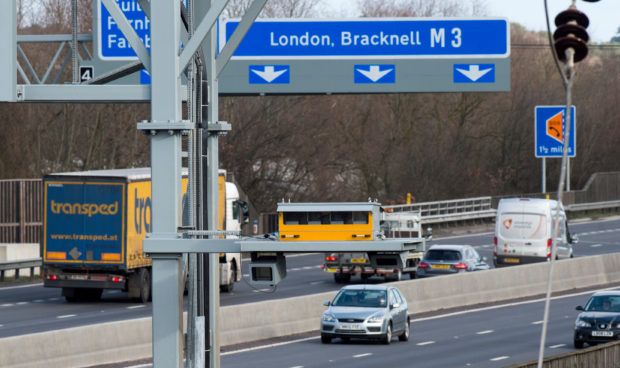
<point>231,282</point>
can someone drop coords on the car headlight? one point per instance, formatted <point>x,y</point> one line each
<point>376,318</point>
<point>328,317</point>
<point>581,323</point>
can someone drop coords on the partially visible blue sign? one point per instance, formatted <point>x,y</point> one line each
<point>269,74</point>
<point>112,44</point>
<point>145,77</point>
<point>474,73</point>
<point>550,128</point>
<point>374,73</point>
<point>372,38</point>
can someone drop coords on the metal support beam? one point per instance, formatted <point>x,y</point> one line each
<point>8,45</point>
<point>200,34</point>
<point>166,185</point>
<point>246,22</point>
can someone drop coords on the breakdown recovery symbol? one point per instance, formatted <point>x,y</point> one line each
<point>555,127</point>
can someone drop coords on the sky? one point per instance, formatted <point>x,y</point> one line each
<point>604,15</point>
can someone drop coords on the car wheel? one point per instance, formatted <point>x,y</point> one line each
<point>405,335</point>
<point>578,344</point>
<point>326,339</point>
<point>387,338</point>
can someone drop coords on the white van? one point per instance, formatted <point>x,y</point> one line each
<point>523,229</point>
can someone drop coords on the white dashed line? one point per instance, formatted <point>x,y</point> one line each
<point>362,355</point>
<point>53,299</point>
<point>38,301</point>
<point>596,245</point>
<point>22,303</point>
<point>499,358</point>
<point>484,332</point>
<point>136,306</point>
<point>298,366</point>
<point>557,346</point>
<point>425,343</point>
<point>537,322</point>
<point>6,305</point>
<point>66,316</point>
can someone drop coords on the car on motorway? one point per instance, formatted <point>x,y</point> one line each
<point>368,312</point>
<point>450,259</point>
<point>599,320</point>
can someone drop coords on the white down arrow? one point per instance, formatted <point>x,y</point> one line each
<point>269,74</point>
<point>474,73</point>
<point>374,74</point>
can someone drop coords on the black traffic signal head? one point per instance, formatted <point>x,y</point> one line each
<point>571,33</point>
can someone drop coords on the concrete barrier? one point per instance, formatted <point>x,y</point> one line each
<point>16,252</point>
<point>131,340</point>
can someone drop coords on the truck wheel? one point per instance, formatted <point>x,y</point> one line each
<point>145,286</point>
<point>231,282</point>
<point>346,278</point>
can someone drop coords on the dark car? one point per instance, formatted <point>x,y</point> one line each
<point>366,311</point>
<point>599,320</point>
<point>448,259</point>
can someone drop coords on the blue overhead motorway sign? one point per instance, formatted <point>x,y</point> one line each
<point>112,43</point>
<point>369,55</point>
<point>377,38</point>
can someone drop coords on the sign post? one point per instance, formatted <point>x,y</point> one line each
<point>549,127</point>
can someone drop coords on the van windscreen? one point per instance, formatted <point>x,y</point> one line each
<point>523,225</point>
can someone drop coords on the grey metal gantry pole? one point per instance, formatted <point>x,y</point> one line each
<point>166,183</point>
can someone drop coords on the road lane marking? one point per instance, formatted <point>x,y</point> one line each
<point>298,366</point>
<point>269,346</point>
<point>499,358</point>
<point>317,282</point>
<point>362,355</point>
<point>6,305</point>
<point>20,286</point>
<point>596,245</point>
<point>38,301</point>
<point>136,306</point>
<point>538,322</point>
<point>66,316</point>
<point>425,343</point>
<point>557,346</point>
<point>22,303</point>
<point>484,332</point>
<point>492,307</point>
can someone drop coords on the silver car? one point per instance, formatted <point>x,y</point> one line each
<point>448,259</point>
<point>368,312</point>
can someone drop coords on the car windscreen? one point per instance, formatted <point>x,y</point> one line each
<point>360,298</point>
<point>603,303</point>
<point>522,225</point>
<point>443,255</point>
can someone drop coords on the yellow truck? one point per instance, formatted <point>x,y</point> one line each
<point>93,226</point>
<point>354,221</point>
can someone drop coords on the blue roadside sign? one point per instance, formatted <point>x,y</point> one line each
<point>550,127</point>
<point>372,38</point>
